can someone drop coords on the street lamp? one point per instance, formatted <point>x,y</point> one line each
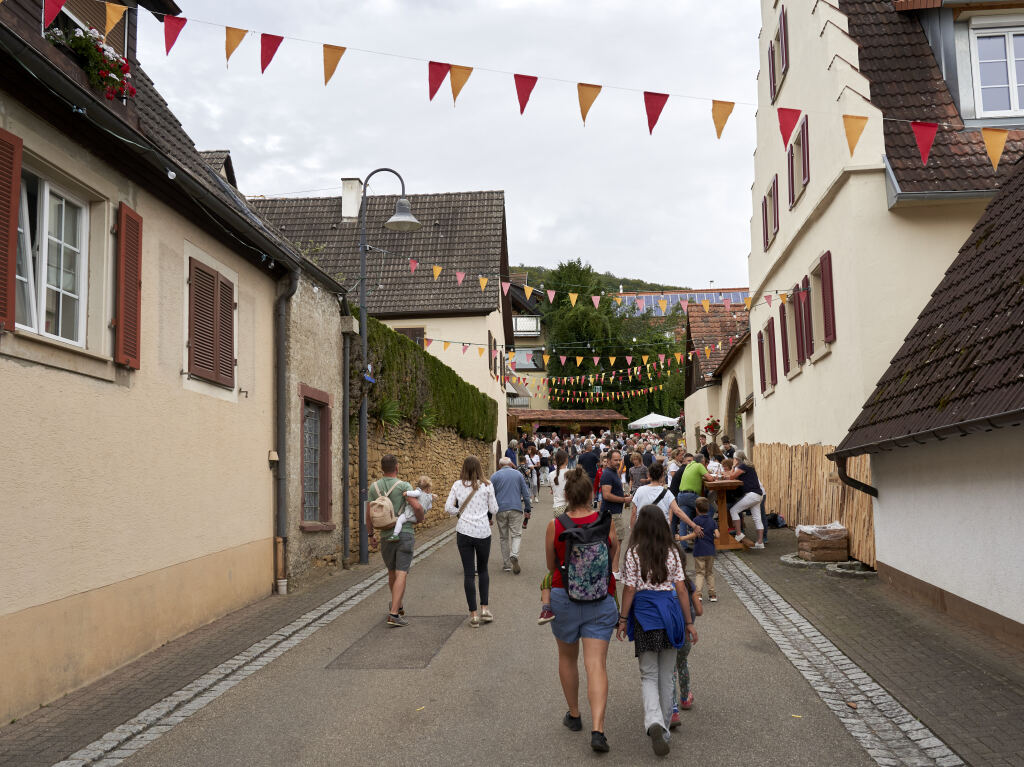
<point>402,221</point>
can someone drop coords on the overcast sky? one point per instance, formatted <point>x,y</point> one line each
<point>673,207</point>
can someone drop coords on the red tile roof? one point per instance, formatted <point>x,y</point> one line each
<point>961,367</point>
<point>566,416</point>
<point>711,328</point>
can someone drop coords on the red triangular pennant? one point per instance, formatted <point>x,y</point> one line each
<point>924,134</point>
<point>413,263</point>
<point>436,72</point>
<point>654,103</point>
<point>268,47</point>
<point>50,10</point>
<point>524,87</point>
<point>788,118</point>
<point>172,28</point>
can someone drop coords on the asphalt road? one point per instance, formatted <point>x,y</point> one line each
<point>351,693</point>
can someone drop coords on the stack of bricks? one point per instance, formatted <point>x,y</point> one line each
<point>813,548</point>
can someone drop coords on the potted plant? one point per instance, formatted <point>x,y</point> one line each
<point>106,70</point>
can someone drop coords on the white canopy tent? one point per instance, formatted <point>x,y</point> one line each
<point>653,421</point>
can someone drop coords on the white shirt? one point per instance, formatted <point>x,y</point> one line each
<point>473,519</point>
<point>558,489</point>
<point>533,460</point>
<point>714,467</point>
<point>544,453</point>
<point>648,493</point>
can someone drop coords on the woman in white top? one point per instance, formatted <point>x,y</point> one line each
<point>533,461</point>
<point>472,499</point>
<point>656,493</point>
<point>675,460</point>
<point>558,481</point>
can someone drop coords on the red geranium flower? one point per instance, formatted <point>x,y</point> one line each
<point>125,68</point>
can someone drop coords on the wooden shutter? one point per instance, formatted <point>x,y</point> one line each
<point>10,199</point>
<point>784,40</point>
<point>225,331</point>
<point>828,310</point>
<point>805,150</point>
<point>798,324</point>
<point>760,359</point>
<point>764,221</point>
<point>771,70</point>
<point>771,352</point>
<point>128,311</point>
<point>775,206</point>
<point>202,321</point>
<point>808,318</point>
<point>784,337</point>
<point>792,175</point>
<point>416,335</point>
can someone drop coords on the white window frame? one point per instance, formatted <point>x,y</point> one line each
<point>46,187</point>
<point>1007,31</point>
<point>25,241</point>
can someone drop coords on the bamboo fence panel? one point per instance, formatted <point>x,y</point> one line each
<point>803,486</point>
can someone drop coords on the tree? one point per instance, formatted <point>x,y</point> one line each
<point>606,331</point>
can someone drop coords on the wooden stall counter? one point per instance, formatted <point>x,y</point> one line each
<point>717,489</point>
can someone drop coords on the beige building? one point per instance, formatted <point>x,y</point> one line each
<point>845,248</point>
<point>527,387</point>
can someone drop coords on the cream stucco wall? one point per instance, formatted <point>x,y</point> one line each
<point>949,513</point>
<point>714,400</point>
<point>112,476</point>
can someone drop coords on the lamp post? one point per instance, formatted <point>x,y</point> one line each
<point>402,221</point>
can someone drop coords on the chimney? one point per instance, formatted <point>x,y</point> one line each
<point>351,198</point>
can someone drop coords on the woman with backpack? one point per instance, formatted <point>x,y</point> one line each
<point>656,617</point>
<point>581,546</point>
<point>472,499</point>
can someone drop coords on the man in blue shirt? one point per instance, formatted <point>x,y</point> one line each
<point>511,452</point>
<point>613,499</point>
<point>513,495</point>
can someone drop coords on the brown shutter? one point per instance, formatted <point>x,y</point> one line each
<point>764,221</point>
<point>808,319</point>
<point>784,40</point>
<point>775,203</point>
<point>760,359</point>
<point>828,309</point>
<point>128,311</point>
<point>202,321</point>
<point>10,197</point>
<point>771,352</point>
<point>225,332</point>
<point>792,176</point>
<point>771,70</point>
<point>805,151</point>
<point>326,465</point>
<point>798,324</point>
<point>784,336</point>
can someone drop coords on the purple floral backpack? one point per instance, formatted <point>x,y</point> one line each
<point>587,567</point>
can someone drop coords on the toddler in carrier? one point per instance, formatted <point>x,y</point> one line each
<point>422,493</point>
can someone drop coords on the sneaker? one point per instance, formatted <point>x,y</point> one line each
<point>574,723</point>
<point>675,722</point>
<point>739,537</point>
<point>598,742</point>
<point>686,703</point>
<point>657,735</point>
<point>507,569</point>
<point>546,616</point>
<point>515,565</point>
<point>401,611</point>
<point>758,545</point>
<point>474,621</point>
<point>397,621</point>
<point>486,616</point>
<point>712,598</point>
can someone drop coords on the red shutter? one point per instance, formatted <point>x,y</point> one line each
<point>10,199</point>
<point>771,70</point>
<point>784,39</point>
<point>760,360</point>
<point>202,321</point>
<point>789,164</point>
<point>808,318</point>
<point>771,352</point>
<point>764,221</point>
<point>128,311</point>
<point>784,335</point>
<point>798,324</point>
<point>828,309</point>
<point>225,332</point>
<point>805,149</point>
<point>775,199</point>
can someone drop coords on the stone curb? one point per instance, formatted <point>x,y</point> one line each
<point>793,560</point>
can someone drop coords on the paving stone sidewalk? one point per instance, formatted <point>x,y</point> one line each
<point>52,732</point>
<point>965,686</point>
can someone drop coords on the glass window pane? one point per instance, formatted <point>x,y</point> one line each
<point>53,264</point>
<point>69,317</point>
<point>21,304</point>
<point>72,224</point>
<point>56,223</point>
<point>993,73</point>
<point>1018,46</point>
<point>24,284</point>
<point>69,279</point>
<point>992,48</point>
<point>995,99</point>
<point>1020,71</point>
<point>1020,95</point>
<point>52,311</point>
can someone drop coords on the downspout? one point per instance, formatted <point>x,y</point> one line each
<point>346,342</point>
<point>281,373</point>
<point>856,484</point>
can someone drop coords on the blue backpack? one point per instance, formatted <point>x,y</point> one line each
<point>587,566</point>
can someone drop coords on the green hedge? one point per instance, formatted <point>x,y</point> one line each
<point>420,383</point>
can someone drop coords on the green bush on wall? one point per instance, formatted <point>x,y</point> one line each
<point>419,382</point>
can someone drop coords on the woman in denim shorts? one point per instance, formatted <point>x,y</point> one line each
<point>591,623</point>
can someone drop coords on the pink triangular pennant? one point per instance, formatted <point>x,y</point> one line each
<point>661,358</point>
<point>524,87</point>
<point>803,296</point>
<point>172,28</point>
<point>727,302</point>
<point>654,103</point>
<point>788,118</point>
<point>629,360</point>
<point>686,305</point>
<point>466,346</point>
<point>505,286</point>
<point>436,72</point>
<point>413,263</point>
<point>427,342</point>
<point>551,296</point>
<point>924,134</point>
<point>459,277</point>
<point>268,47</point>
<point>768,299</point>
<point>494,353</point>
<point>562,358</point>
<point>596,360</point>
<point>596,300</point>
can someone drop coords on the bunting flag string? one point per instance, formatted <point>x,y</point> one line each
<point>653,104</point>
<point>587,94</point>
<point>458,78</point>
<point>268,47</point>
<point>172,28</point>
<point>924,135</point>
<point>232,39</point>
<point>524,87</point>
<point>436,72</point>
<point>114,12</point>
<point>332,55</point>
<point>720,111</point>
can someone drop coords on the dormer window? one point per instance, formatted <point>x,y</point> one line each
<point>998,60</point>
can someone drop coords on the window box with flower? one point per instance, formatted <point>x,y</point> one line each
<point>712,426</point>
<point>106,70</point>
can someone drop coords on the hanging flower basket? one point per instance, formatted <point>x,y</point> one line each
<point>712,425</point>
<point>107,70</point>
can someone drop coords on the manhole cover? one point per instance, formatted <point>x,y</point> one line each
<point>413,646</point>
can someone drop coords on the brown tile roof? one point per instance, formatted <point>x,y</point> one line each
<point>906,84</point>
<point>220,161</point>
<point>915,5</point>
<point>566,416</point>
<point>963,361</point>
<point>708,329</point>
<point>462,231</point>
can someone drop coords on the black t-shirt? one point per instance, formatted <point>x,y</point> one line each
<point>751,484</point>
<point>648,459</point>
<point>611,477</point>
<point>704,452</point>
<point>589,461</point>
<point>729,452</point>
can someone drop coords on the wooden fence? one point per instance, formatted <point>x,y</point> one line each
<point>803,486</point>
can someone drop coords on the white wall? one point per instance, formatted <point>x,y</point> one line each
<point>952,514</point>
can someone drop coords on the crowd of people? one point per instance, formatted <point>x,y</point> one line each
<point>627,512</point>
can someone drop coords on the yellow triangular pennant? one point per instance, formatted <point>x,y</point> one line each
<point>679,357</point>
<point>232,38</point>
<point>546,358</point>
<point>480,351</point>
<point>578,361</point>
<point>746,303</point>
<point>114,14</point>
<point>720,111</point>
<point>618,300</point>
<point>447,344</point>
<point>483,283</point>
<point>782,297</point>
<point>332,55</point>
<point>707,305</point>
<point>995,140</point>
<point>573,297</point>
<point>854,125</point>
<point>587,94</point>
<point>645,358</point>
<point>528,290</point>
<point>707,351</point>
<point>663,305</point>
<point>459,76</point>
<point>611,360</point>
<point>437,272</point>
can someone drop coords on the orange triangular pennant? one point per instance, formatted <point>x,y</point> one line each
<point>114,14</point>
<point>573,297</point>
<point>332,55</point>
<point>447,344</point>
<point>854,125</point>
<point>720,111</point>
<point>437,271</point>
<point>458,77</point>
<point>707,305</point>
<point>746,303</point>
<point>528,291</point>
<point>995,140</point>
<point>663,305</point>
<point>232,39</point>
<point>483,283</point>
<point>587,94</point>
